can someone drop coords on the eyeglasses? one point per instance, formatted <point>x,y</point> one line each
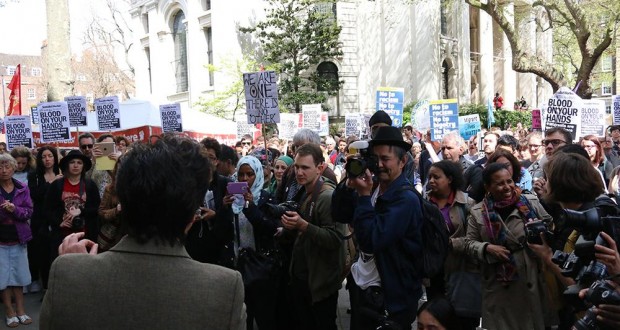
<point>86,146</point>
<point>554,142</point>
<point>535,146</point>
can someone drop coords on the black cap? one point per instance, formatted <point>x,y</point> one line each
<point>380,117</point>
<point>391,136</point>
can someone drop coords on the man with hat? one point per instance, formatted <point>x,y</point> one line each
<point>387,224</point>
<point>72,202</point>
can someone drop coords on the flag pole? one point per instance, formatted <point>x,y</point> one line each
<point>3,97</point>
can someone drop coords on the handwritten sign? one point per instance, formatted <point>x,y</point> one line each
<point>261,97</point>
<point>171,117</point>
<point>54,117</point>
<point>18,131</point>
<point>77,110</point>
<point>108,113</point>
<point>469,126</point>
<point>420,116</point>
<point>536,122</point>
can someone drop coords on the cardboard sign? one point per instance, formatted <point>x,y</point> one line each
<point>391,101</point>
<point>311,116</point>
<point>469,126</point>
<point>108,113</point>
<point>171,117</point>
<point>564,110</point>
<point>261,97</point>
<point>55,125</point>
<point>536,122</point>
<point>18,131</point>
<point>444,118</point>
<point>77,110</point>
<point>593,118</point>
<point>615,107</point>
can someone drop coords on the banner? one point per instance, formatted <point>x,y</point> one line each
<point>593,118</point>
<point>391,101</point>
<point>311,116</point>
<point>564,110</point>
<point>469,126</point>
<point>421,117</point>
<point>77,110</point>
<point>615,107</point>
<point>444,118</point>
<point>289,124</point>
<point>34,113</point>
<point>18,131</point>
<point>55,126</point>
<point>171,117</point>
<point>261,97</point>
<point>15,103</point>
<point>536,122</point>
<point>108,113</point>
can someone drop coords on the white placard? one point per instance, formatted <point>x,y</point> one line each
<point>324,124</point>
<point>421,116</point>
<point>108,113</point>
<point>593,118</point>
<point>77,110</point>
<point>171,120</point>
<point>244,128</point>
<point>288,125</point>
<point>311,116</point>
<point>261,97</point>
<point>564,110</point>
<point>55,125</point>
<point>353,125</point>
<point>18,131</point>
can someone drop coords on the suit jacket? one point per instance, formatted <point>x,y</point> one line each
<point>141,286</point>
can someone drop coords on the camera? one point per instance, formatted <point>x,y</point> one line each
<point>533,229</point>
<point>276,211</point>
<point>356,166</point>
<point>600,292</point>
<point>78,223</point>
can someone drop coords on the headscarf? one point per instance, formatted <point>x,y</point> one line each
<point>286,159</point>
<point>256,188</point>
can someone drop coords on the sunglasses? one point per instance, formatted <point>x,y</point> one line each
<point>86,146</point>
<point>246,143</point>
<point>554,142</point>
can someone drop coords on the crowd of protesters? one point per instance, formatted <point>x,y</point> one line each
<point>300,214</point>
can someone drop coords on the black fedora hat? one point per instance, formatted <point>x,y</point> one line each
<point>73,154</point>
<point>391,136</point>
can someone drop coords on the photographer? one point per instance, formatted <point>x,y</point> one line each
<point>387,224</point>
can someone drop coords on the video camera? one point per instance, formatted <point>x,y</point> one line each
<point>356,166</point>
<point>581,264</point>
<point>275,211</point>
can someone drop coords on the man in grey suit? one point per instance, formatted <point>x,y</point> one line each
<point>147,281</point>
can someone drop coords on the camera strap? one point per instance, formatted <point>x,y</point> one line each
<point>315,195</point>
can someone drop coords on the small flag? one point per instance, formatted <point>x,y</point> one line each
<point>15,105</point>
<point>490,116</point>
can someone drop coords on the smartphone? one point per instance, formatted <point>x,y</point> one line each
<point>237,188</point>
<point>106,148</point>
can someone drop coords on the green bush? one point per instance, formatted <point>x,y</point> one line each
<point>502,117</point>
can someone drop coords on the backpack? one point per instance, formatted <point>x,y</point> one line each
<point>435,238</point>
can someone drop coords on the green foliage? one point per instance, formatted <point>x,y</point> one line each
<point>502,117</point>
<point>295,37</point>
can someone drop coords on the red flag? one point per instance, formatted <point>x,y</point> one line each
<point>15,106</point>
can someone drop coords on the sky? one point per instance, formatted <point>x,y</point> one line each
<point>24,25</point>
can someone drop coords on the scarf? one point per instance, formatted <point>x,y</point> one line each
<point>256,188</point>
<point>505,272</point>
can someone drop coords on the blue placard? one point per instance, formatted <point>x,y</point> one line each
<point>444,118</point>
<point>469,126</point>
<point>391,101</point>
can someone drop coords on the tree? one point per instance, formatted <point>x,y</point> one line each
<point>589,25</point>
<point>295,37</point>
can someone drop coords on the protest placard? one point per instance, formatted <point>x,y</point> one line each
<point>391,101</point>
<point>244,128</point>
<point>420,116</point>
<point>261,97</point>
<point>18,131</point>
<point>34,114</point>
<point>444,118</point>
<point>564,110</point>
<point>54,118</point>
<point>469,125</point>
<point>311,116</point>
<point>353,124</point>
<point>108,113</point>
<point>288,125</point>
<point>77,110</point>
<point>592,118</point>
<point>615,109</point>
<point>536,122</point>
<point>324,124</point>
<point>171,117</point>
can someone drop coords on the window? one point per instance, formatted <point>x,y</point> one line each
<point>145,23</point>
<point>605,88</point>
<point>606,63</point>
<point>209,37</point>
<point>444,18</point>
<point>608,109</point>
<point>35,72</point>
<point>328,9</point>
<point>206,4</point>
<point>147,53</point>
<point>32,94</point>
<point>179,38</point>
<point>81,77</point>
<point>10,70</point>
<point>328,77</point>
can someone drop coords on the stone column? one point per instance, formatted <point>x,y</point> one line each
<point>485,38</point>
